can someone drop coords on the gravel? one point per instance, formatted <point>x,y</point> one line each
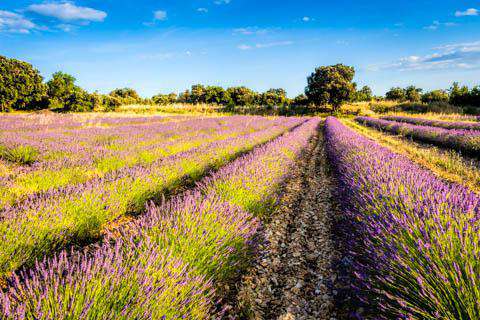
<point>294,275</point>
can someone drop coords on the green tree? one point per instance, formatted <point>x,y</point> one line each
<point>214,94</point>
<point>60,88</point>
<point>413,94</point>
<point>331,85</point>
<point>241,96</point>
<point>300,100</point>
<point>435,96</point>
<point>126,95</point>
<point>198,94</point>
<point>21,85</point>
<point>274,97</point>
<point>364,94</point>
<point>396,94</point>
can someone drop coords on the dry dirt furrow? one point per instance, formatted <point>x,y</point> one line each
<point>294,277</point>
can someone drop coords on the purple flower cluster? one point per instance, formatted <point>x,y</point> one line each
<point>163,265</point>
<point>78,213</point>
<point>435,123</point>
<point>414,238</point>
<point>466,141</point>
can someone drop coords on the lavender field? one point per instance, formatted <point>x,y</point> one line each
<point>121,216</point>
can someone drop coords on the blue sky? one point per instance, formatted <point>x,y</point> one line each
<point>168,45</point>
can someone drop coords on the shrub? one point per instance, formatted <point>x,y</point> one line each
<point>20,154</point>
<point>21,86</point>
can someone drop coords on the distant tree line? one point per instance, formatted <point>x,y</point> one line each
<point>328,87</point>
<point>457,95</point>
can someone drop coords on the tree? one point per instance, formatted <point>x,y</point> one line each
<point>21,85</point>
<point>126,95</point>
<point>459,96</point>
<point>241,96</point>
<point>364,94</point>
<point>413,94</point>
<point>396,94</point>
<point>331,85</point>
<point>435,96</point>
<point>274,97</point>
<point>198,94</point>
<point>215,94</point>
<point>60,88</point>
<point>300,100</point>
<point>165,99</point>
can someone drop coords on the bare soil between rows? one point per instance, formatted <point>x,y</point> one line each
<point>298,269</point>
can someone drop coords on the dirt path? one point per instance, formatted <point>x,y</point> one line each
<point>293,278</point>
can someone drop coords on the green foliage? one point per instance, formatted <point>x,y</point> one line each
<point>126,96</point>
<point>164,99</point>
<point>396,94</point>
<point>364,94</point>
<point>300,100</point>
<point>331,85</point>
<point>241,96</point>
<point>435,96</point>
<point>21,86</point>
<point>21,154</point>
<point>465,97</point>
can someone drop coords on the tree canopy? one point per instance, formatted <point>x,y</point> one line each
<point>21,85</point>
<point>331,85</point>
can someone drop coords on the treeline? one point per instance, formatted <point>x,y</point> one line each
<point>460,96</point>
<point>328,88</point>
<point>22,88</point>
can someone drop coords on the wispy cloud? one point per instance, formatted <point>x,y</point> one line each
<point>307,19</point>
<point>202,10</point>
<point>453,56</point>
<point>250,31</point>
<point>468,12</point>
<point>265,45</point>
<point>15,23</point>
<point>437,24</point>
<point>160,15</point>
<point>67,11</point>
<point>220,2</point>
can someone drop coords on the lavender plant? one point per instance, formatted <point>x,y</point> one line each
<point>413,237</point>
<point>466,141</point>
<point>165,264</point>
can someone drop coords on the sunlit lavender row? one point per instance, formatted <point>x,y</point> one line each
<point>414,238</point>
<point>167,264</point>
<point>435,123</point>
<point>72,157</point>
<point>77,214</point>
<point>466,141</point>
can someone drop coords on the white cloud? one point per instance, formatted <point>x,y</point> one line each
<point>15,23</point>
<point>66,27</point>
<point>437,24</point>
<point>220,2</point>
<point>67,11</point>
<point>264,45</point>
<point>453,56</point>
<point>250,31</point>
<point>468,12</point>
<point>160,15</point>
<point>307,19</point>
<point>273,44</point>
<point>202,10</point>
<point>244,47</point>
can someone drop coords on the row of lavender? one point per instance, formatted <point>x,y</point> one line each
<point>414,238</point>
<point>435,123</point>
<point>79,213</point>
<point>465,141</point>
<point>166,264</point>
<point>76,156</point>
